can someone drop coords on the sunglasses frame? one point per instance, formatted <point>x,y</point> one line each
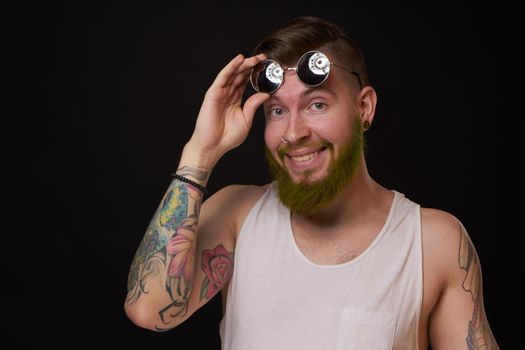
<point>313,52</point>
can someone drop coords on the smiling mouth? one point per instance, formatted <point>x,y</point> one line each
<point>305,157</point>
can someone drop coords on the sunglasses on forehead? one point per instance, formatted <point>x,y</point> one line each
<point>312,69</point>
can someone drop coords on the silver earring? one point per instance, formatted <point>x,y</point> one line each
<point>284,140</point>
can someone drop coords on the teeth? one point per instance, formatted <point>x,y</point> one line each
<point>305,157</point>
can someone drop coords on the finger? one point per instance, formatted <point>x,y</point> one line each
<point>225,74</point>
<point>244,70</point>
<point>241,79</point>
<point>252,103</point>
<point>250,62</point>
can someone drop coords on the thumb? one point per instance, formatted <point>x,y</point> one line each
<point>252,103</point>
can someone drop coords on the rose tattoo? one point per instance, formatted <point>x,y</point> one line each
<point>217,264</point>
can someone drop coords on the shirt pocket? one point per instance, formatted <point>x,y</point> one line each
<point>363,329</point>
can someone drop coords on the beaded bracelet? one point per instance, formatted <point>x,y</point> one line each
<point>191,182</point>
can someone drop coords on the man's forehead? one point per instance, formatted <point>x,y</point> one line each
<point>304,92</point>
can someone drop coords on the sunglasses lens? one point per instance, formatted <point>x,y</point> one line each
<point>267,76</point>
<point>313,68</point>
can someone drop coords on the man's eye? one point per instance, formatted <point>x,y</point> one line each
<point>318,105</point>
<point>278,111</point>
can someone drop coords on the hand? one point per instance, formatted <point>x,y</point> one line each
<point>222,123</point>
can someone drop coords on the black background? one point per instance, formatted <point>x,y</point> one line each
<point>99,99</point>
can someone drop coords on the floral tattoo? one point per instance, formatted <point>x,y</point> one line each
<point>217,265</point>
<point>150,258</point>
<point>167,251</point>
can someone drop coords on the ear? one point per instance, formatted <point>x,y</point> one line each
<point>367,100</point>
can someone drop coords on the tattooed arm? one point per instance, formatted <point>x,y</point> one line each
<point>175,270</point>
<point>162,272</point>
<point>163,278</point>
<point>457,317</point>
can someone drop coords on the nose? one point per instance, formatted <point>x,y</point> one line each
<point>297,130</point>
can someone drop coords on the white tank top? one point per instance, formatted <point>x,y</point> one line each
<point>279,299</point>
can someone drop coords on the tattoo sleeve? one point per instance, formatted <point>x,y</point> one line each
<point>166,255</point>
<point>479,333</point>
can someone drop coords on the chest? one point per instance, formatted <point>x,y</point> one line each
<point>277,290</point>
<point>334,246</point>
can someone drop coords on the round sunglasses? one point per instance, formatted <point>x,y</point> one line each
<point>312,69</point>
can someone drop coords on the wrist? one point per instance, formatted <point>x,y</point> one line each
<point>196,164</point>
<point>189,181</point>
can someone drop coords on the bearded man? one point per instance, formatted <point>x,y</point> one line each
<point>324,257</point>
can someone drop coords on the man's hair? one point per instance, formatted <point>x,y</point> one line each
<point>304,34</point>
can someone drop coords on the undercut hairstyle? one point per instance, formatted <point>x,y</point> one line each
<point>303,34</point>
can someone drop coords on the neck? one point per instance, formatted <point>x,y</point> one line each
<point>357,201</point>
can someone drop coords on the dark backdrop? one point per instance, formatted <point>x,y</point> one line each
<point>99,99</point>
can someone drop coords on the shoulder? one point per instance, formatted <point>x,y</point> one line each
<point>440,227</point>
<point>236,196</point>
<point>242,190</point>
<point>233,203</point>
<point>443,239</point>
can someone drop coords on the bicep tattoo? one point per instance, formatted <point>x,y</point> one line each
<point>479,333</point>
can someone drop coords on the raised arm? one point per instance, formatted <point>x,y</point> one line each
<point>457,320</point>
<point>165,286</point>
